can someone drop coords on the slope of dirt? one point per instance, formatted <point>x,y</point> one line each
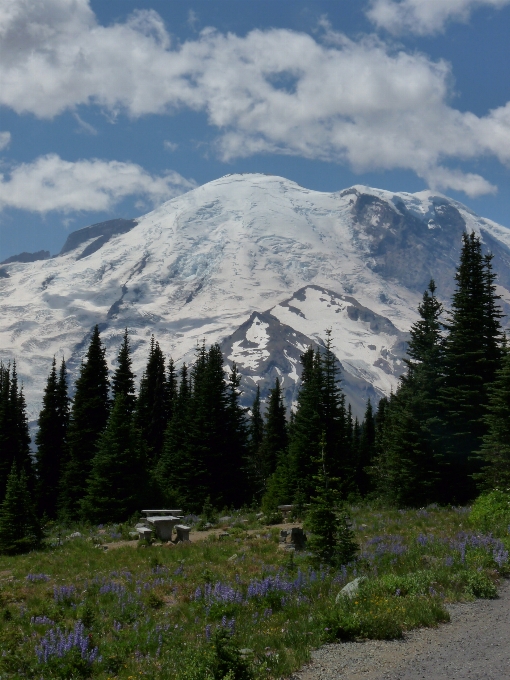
<point>475,645</point>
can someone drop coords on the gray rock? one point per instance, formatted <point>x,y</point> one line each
<point>75,535</point>
<point>351,589</point>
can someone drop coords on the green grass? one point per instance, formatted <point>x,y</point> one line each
<point>141,608</point>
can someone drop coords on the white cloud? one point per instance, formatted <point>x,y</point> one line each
<point>424,17</point>
<point>170,146</point>
<point>274,91</point>
<point>84,126</point>
<point>51,183</point>
<point>5,139</point>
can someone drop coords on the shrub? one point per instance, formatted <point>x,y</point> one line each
<point>480,585</point>
<point>491,512</point>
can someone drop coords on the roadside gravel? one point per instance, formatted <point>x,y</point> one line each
<point>475,645</point>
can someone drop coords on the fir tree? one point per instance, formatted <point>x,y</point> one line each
<point>14,433</point>
<point>51,439</point>
<point>334,420</point>
<point>332,539</point>
<point>366,451</point>
<point>471,357</point>
<point>274,438</point>
<point>235,453</point>
<point>176,469</point>
<point>19,528</point>
<point>117,485</point>
<point>89,415</point>
<point>495,450</point>
<point>152,405</point>
<point>304,446</point>
<point>255,474</point>
<point>123,381</point>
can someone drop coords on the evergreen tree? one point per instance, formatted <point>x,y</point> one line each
<point>255,474</point>
<point>495,450</point>
<point>471,357</point>
<point>176,469</point>
<point>172,390</point>
<point>51,439</point>
<point>19,528</point>
<point>14,433</point>
<point>235,453</point>
<point>89,415</point>
<point>274,438</point>
<point>332,539</point>
<point>123,381</point>
<point>152,405</point>
<point>405,473</point>
<point>304,446</point>
<point>366,451</point>
<point>117,485</point>
<point>334,421</point>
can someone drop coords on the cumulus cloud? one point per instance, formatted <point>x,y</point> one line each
<point>273,91</point>
<point>424,17</point>
<point>51,183</point>
<point>5,139</point>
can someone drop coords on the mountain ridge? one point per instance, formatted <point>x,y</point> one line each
<point>202,264</point>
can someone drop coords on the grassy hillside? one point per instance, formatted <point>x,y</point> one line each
<point>237,605</point>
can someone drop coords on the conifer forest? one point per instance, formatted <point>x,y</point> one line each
<point>184,440</point>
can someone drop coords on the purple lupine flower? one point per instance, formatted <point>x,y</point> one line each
<point>208,632</point>
<point>56,644</point>
<point>37,577</point>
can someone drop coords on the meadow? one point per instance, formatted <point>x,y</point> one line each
<point>235,607</point>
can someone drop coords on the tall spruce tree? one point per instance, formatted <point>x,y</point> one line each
<point>123,380</point>
<point>152,404</point>
<point>366,452</point>
<point>177,467</point>
<point>255,473</point>
<point>117,485</point>
<point>472,354</point>
<point>274,439</point>
<point>20,530</point>
<point>495,450</point>
<point>89,415</point>
<point>14,433</point>
<point>235,453</point>
<point>304,446</point>
<point>51,439</point>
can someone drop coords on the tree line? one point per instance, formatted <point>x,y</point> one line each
<point>184,439</point>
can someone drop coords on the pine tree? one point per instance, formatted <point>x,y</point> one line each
<point>89,415</point>
<point>366,450</point>
<point>152,405</point>
<point>495,450</point>
<point>117,485</point>
<point>20,530</point>
<point>123,381</point>
<point>176,469</point>
<point>332,539</point>
<point>255,474</point>
<point>235,453</point>
<point>471,357</point>
<point>51,439</point>
<point>334,421</point>
<point>14,433</point>
<point>274,439</point>
<point>304,446</point>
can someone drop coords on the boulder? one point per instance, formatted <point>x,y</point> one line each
<point>351,589</point>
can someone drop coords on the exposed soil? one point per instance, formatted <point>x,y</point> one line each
<point>475,645</point>
<point>197,536</point>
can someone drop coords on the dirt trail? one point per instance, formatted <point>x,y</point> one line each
<point>475,645</point>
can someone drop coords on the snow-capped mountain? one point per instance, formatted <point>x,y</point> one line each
<point>254,262</point>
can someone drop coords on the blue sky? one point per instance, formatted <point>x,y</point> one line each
<point>110,107</point>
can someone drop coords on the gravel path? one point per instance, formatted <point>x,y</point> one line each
<point>475,645</point>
